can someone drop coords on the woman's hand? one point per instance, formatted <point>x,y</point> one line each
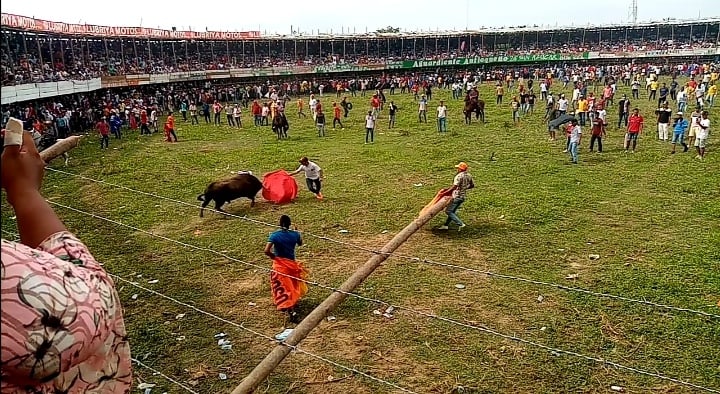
<point>21,169</point>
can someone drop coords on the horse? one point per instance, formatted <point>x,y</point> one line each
<point>476,105</point>
<point>280,125</point>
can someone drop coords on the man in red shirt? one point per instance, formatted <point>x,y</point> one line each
<point>375,104</point>
<point>104,131</point>
<point>635,127</point>
<point>170,127</point>
<point>336,118</point>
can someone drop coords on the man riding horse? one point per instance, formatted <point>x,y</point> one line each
<point>473,103</point>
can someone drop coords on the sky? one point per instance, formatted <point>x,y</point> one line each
<point>335,16</point>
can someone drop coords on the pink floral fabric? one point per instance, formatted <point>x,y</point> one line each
<point>62,325</point>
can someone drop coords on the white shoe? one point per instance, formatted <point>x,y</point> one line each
<point>443,228</point>
<point>461,227</point>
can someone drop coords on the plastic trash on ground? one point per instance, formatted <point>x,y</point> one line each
<point>283,335</point>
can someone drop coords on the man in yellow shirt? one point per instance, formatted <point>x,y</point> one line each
<point>653,90</point>
<point>711,93</point>
<point>582,109</point>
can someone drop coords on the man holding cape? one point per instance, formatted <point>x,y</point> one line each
<point>286,279</point>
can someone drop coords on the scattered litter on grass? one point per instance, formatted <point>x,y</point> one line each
<point>343,231</point>
<point>179,316</point>
<point>617,388</point>
<point>540,298</point>
<point>152,282</point>
<point>331,318</point>
<point>134,297</point>
<point>418,185</point>
<point>501,217</point>
<point>223,341</point>
<point>543,328</point>
<point>283,335</point>
<point>556,354</point>
<point>377,312</point>
<point>561,250</point>
<point>594,256</point>
<point>572,276</point>
<point>384,232</point>
<point>459,286</point>
<point>389,312</point>
<point>227,346</point>
<point>144,386</point>
<point>222,376</point>
<point>197,233</point>
<point>220,335</point>
<point>251,304</point>
<point>180,338</point>
<point>13,217</point>
<point>138,276</point>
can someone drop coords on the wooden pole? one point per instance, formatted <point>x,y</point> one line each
<point>60,147</point>
<point>278,354</point>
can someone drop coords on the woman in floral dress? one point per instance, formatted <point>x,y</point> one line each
<point>62,326</point>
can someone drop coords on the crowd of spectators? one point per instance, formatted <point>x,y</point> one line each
<point>29,58</point>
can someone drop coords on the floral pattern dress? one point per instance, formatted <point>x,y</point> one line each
<point>62,326</point>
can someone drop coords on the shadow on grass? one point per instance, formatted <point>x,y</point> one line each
<point>473,230</point>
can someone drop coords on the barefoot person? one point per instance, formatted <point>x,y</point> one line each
<point>313,176</point>
<point>285,283</point>
<point>461,184</point>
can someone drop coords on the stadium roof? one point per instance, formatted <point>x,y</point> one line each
<point>60,28</point>
<point>500,30</point>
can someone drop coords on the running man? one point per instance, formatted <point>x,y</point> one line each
<point>313,176</point>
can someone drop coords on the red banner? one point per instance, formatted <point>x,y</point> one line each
<point>38,25</point>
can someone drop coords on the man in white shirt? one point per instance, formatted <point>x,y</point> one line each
<point>313,176</point>
<point>442,117</point>
<point>575,136</point>
<point>422,109</point>
<point>313,105</point>
<point>702,135</point>
<point>563,105</point>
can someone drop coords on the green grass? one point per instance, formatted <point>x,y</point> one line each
<point>652,217</point>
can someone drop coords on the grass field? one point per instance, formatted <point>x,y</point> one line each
<point>654,219</point>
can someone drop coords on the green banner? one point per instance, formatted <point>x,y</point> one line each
<point>466,61</point>
<point>339,68</point>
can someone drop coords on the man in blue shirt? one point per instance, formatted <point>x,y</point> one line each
<point>281,243</point>
<point>664,91</point>
<point>679,132</point>
<point>286,277</point>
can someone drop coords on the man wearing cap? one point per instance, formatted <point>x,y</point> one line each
<point>679,132</point>
<point>313,176</point>
<point>461,184</point>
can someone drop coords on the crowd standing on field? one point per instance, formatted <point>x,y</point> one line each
<point>593,91</point>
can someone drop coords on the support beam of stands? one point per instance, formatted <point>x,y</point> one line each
<point>278,354</point>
